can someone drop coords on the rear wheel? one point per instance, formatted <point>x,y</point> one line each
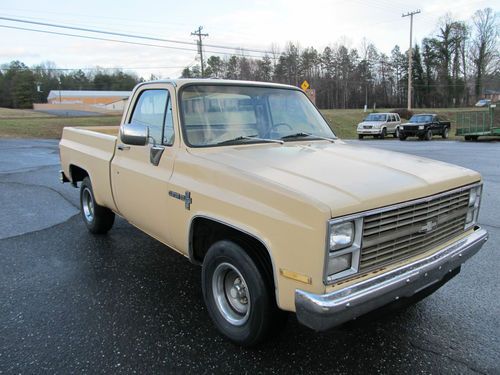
<point>98,219</point>
<point>396,133</point>
<point>238,294</point>
<point>446,133</point>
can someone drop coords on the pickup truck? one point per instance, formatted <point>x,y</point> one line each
<point>424,126</point>
<point>248,180</point>
<point>379,125</point>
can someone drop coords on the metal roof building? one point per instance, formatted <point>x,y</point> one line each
<point>100,98</point>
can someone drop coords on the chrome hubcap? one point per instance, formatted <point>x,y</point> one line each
<point>88,205</point>
<point>231,294</point>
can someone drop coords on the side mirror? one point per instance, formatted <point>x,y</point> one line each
<point>134,134</point>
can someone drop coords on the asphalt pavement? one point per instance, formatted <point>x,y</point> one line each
<point>72,302</point>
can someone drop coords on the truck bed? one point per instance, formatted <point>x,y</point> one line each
<point>92,149</point>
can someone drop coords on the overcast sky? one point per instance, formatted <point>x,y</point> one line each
<point>252,24</point>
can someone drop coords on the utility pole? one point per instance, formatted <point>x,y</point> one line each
<point>200,47</point>
<point>410,54</point>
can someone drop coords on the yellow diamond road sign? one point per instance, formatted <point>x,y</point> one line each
<point>304,85</point>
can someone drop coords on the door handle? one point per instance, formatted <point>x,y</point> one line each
<point>123,147</point>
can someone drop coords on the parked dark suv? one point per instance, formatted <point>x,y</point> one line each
<point>424,126</point>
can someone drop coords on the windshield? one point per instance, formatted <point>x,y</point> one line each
<point>421,118</point>
<point>224,114</point>
<point>375,117</point>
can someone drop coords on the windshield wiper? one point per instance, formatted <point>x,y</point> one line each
<point>249,138</point>
<point>304,134</point>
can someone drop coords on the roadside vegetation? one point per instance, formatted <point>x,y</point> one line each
<point>32,124</point>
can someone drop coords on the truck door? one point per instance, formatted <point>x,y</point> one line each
<point>141,188</point>
<point>438,126</point>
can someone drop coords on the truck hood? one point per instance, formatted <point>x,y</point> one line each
<point>415,123</point>
<point>345,178</point>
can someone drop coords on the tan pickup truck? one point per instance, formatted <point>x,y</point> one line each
<point>248,180</point>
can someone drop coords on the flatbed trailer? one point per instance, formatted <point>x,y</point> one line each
<point>474,124</point>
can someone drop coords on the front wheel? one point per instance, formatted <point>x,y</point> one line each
<point>402,137</point>
<point>98,219</point>
<point>238,294</point>
<point>360,136</point>
<point>428,135</point>
<point>383,133</point>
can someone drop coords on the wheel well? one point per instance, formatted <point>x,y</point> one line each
<point>77,173</point>
<point>205,232</point>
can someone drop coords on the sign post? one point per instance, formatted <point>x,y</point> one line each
<point>311,93</point>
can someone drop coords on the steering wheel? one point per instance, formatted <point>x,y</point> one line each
<point>284,124</point>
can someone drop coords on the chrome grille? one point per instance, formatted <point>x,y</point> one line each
<point>409,230</point>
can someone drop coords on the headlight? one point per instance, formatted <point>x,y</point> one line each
<point>473,206</point>
<point>339,263</point>
<point>420,127</point>
<point>341,235</point>
<point>343,248</point>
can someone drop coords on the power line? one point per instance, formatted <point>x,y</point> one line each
<point>122,34</point>
<point>123,41</point>
<point>95,68</point>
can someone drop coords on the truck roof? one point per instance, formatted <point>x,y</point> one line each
<point>184,81</point>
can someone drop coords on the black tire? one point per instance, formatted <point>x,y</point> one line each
<point>428,135</point>
<point>98,219</point>
<point>383,133</point>
<point>402,137</point>
<point>446,133</point>
<point>360,136</point>
<point>230,276</point>
<point>376,136</point>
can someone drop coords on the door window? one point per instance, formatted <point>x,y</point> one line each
<point>154,109</point>
<point>168,129</point>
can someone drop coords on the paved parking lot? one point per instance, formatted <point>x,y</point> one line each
<point>72,302</point>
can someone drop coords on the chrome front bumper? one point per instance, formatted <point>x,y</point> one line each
<point>324,311</point>
<point>369,131</point>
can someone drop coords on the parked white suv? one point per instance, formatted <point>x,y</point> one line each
<point>379,125</point>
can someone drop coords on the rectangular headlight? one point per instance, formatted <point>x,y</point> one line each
<point>342,248</point>
<point>473,206</point>
<point>341,235</point>
<point>339,263</point>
